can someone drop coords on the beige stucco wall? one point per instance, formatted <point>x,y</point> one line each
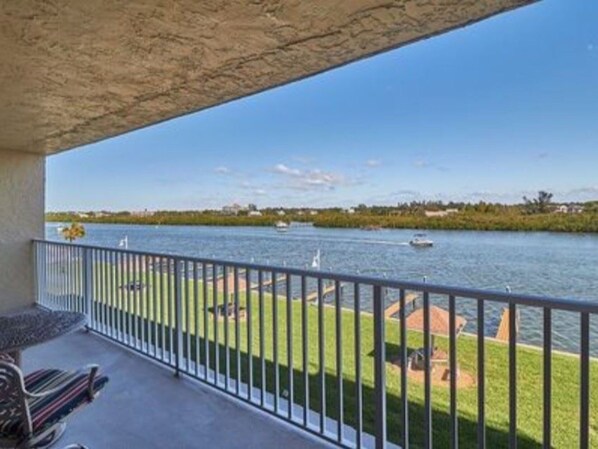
<point>21,219</point>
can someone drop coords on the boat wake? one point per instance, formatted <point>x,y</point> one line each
<point>346,240</point>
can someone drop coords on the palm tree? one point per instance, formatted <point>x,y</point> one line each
<point>73,232</point>
<point>540,204</point>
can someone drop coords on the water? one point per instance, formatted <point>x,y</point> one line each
<point>551,264</point>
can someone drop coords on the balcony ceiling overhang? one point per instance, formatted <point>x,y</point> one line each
<point>74,72</point>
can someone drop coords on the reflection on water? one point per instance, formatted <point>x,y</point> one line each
<point>562,265</point>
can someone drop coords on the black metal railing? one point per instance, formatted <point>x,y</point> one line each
<point>318,349</point>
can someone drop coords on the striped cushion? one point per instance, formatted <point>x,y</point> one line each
<point>4,357</point>
<point>51,409</point>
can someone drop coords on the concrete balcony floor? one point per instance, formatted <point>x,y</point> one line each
<point>145,406</point>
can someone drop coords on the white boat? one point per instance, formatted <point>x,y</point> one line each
<point>281,226</point>
<point>421,241</point>
<point>316,262</point>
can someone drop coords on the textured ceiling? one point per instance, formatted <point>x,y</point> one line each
<point>74,72</point>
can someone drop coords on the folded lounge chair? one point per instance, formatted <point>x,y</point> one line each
<point>33,407</point>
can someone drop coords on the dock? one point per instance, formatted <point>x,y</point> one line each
<point>395,307</point>
<point>504,328</point>
<point>268,283</point>
<point>325,291</point>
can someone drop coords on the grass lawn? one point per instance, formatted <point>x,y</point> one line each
<point>150,310</point>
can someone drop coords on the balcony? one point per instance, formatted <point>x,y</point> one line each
<point>312,349</point>
<point>319,351</point>
<point>147,407</point>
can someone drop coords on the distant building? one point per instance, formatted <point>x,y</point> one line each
<point>313,212</point>
<point>82,215</point>
<point>440,213</point>
<point>142,213</point>
<point>254,213</point>
<point>281,212</point>
<point>232,209</point>
<point>569,209</point>
<point>436,213</point>
<point>350,211</point>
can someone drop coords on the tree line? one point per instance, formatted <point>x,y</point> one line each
<point>534,214</point>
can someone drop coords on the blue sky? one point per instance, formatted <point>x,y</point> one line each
<point>490,112</point>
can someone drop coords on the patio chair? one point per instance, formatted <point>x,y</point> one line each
<point>33,407</point>
<point>418,362</point>
<point>4,357</point>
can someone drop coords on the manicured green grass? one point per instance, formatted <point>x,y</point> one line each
<point>565,392</point>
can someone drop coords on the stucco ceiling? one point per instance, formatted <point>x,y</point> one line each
<point>74,71</point>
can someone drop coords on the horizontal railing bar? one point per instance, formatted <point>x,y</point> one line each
<point>566,304</point>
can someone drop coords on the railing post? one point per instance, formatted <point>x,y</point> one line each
<point>584,407</point>
<point>178,310</point>
<point>41,272</point>
<point>36,271</point>
<point>88,286</point>
<point>43,281</point>
<point>379,369</point>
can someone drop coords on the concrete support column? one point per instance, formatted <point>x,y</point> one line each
<point>22,186</point>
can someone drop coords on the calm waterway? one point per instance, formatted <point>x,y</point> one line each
<point>562,265</point>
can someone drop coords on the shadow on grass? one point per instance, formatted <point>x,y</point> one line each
<point>393,351</point>
<point>194,349</point>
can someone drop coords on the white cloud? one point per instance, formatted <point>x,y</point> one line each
<point>408,193</point>
<point>222,170</point>
<point>320,178</point>
<point>420,163</point>
<point>585,190</point>
<point>589,193</point>
<point>373,163</point>
<point>310,179</point>
<point>394,197</point>
<point>284,170</point>
<point>260,192</point>
<point>493,197</point>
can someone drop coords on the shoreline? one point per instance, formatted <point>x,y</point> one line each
<point>436,225</point>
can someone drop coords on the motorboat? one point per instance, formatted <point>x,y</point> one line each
<point>281,226</point>
<point>421,241</point>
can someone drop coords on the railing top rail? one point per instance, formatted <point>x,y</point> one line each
<point>565,304</point>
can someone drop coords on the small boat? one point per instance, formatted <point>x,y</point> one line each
<point>421,241</point>
<point>281,226</point>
